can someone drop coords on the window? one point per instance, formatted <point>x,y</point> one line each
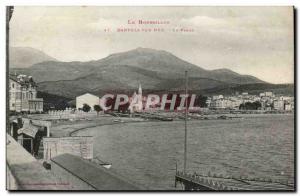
<point>18,95</point>
<point>13,85</point>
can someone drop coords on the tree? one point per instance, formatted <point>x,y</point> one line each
<point>86,107</point>
<point>201,101</point>
<point>97,108</point>
<point>250,106</point>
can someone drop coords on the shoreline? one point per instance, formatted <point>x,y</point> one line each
<point>68,128</point>
<point>114,131</point>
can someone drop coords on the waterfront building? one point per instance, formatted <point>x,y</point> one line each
<point>278,105</point>
<point>269,94</point>
<point>268,101</point>
<point>216,97</point>
<point>245,95</point>
<point>208,102</point>
<point>218,102</point>
<point>262,94</point>
<point>288,107</point>
<point>286,98</point>
<point>88,99</point>
<point>23,94</point>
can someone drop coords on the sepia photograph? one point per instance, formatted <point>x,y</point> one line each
<point>150,98</point>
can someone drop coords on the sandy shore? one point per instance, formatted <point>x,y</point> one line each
<point>67,128</point>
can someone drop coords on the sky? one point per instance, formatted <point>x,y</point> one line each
<point>256,41</point>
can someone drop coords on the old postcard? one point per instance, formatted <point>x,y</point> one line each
<point>150,98</point>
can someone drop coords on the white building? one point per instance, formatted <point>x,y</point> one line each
<point>216,97</point>
<point>218,104</point>
<point>22,94</point>
<point>269,94</point>
<point>278,105</point>
<point>262,94</point>
<point>289,107</point>
<point>88,99</point>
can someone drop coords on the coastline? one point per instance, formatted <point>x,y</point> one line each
<point>68,128</point>
<point>119,144</point>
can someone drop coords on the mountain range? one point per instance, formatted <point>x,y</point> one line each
<point>22,57</point>
<point>156,70</point>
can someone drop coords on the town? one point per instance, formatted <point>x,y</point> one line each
<point>23,99</point>
<point>50,135</point>
<point>157,98</point>
<point>244,101</point>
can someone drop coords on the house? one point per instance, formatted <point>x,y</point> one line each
<point>278,104</point>
<point>269,94</point>
<point>218,104</point>
<point>216,97</point>
<point>88,99</point>
<point>288,107</point>
<point>23,94</point>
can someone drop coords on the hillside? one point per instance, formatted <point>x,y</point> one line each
<point>23,57</point>
<point>284,89</point>
<point>155,69</point>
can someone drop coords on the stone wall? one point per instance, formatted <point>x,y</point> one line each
<point>81,146</point>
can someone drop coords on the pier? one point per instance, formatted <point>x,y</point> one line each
<point>201,182</point>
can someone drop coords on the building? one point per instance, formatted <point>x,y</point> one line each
<point>208,102</point>
<point>218,104</point>
<point>22,95</point>
<point>288,107</point>
<point>216,97</point>
<point>262,94</point>
<point>278,104</point>
<point>268,101</point>
<point>269,94</point>
<point>88,99</point>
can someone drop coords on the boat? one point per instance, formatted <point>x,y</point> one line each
<point>102,163</point>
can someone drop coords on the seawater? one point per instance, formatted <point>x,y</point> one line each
<point>259,146</point>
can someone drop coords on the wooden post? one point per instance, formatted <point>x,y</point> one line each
<point>176,176</point>
<point>48,130</point>
<point>185,123</point>
<point>31,146</point>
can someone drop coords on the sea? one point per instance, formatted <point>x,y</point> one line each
<point>148,153</point>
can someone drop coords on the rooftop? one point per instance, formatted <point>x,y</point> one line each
<point>22,79</point>
<point>27,171</point>
<point>96,176</point>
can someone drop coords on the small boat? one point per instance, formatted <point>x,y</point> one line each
<point>107,166</point>
<point>118,120</point>
<point>102,163</point>
<point>223,117</point>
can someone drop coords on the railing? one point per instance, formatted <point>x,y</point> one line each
<point>220,182</point>
<point>70,114</point>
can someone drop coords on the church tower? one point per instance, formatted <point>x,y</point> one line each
<point>140,98</point>
<point>136,104</point>
<point>140,90</point>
